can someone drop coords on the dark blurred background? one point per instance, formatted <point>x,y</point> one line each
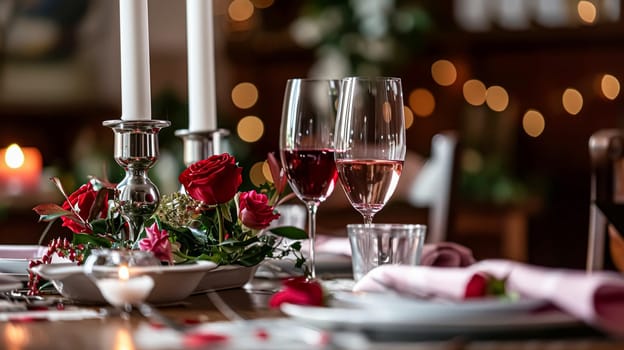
<point>551,69</point>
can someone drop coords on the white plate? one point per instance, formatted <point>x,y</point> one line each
<point>411,324</point>
<point>171,283</point>
<point>225,277</point>
<point>14,259</point>
<point>433,310</point>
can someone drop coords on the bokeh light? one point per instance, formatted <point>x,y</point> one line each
<point>471,161</point>
<point>266,171</point>
<point>409,117</point>
<point>262,4</point>
<point>474,92</point>
<point>533,123</point>
<point>256,174</point>
<point>587,11</point>
<point>244,95</point>
<point>422,102</point>
<point>572,101</point>
<point>497,98</point>
<point>444,72</point>
<point>610,86</point>
<point>250,128</point>
<point>240,10</point>
<point>387,112</point>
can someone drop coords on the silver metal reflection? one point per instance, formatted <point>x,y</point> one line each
<point>200,145</point>
<point>136,151</point>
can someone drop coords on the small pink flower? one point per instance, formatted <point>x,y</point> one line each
<point>254,210</point>
<point>157,242</point>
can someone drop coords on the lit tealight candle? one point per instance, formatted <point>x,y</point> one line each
<point>20,169</point>
<point>126,289</point>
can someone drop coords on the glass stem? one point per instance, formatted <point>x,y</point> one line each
<point>368,220</point>
<point>312,208</point>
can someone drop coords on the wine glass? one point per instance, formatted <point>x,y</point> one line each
<point>370,141</point>
<point>307,145</point>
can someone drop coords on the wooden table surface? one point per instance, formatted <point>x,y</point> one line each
<point>113,332</point>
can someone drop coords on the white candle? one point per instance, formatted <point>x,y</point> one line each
<point>201,67</point>
<point>135,67</point>
<point>121,292</point>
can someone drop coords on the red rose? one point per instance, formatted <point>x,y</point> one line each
<point>82,200</point>
<point>298,290</point>
<point>254,211</point>
<point>213,180</point>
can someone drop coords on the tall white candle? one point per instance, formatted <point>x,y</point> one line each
<point>135,67</point>
<point>201,66</point>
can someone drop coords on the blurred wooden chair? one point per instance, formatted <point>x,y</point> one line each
<point>435,186</point>
<point>606,213</point>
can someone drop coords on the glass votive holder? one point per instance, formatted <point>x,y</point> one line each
<point>378,244</point>
<point>120,275</point>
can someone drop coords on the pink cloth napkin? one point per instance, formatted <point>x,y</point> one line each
<point>597,298</point>
<point>446,254</point>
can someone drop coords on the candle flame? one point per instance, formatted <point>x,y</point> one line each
<point>14,157</point>
<point>124,273</point>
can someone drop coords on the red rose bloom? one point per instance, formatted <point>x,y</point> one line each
<point>298,290</point>
<point>82,200</point>
<point>213,180</point>
<point>254,211</point>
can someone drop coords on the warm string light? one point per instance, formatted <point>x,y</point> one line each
<point>240,10</point>
<point>587,11</point>
<point>475,92</point>
<point>572,101</point>
<point>250,129</point>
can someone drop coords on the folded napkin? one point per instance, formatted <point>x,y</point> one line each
<point>597,298</point>
<point>446,254</point>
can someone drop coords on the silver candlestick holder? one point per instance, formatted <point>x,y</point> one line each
<point>136,151</point>
<point>200,145</point>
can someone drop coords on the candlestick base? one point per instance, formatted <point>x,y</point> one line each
<point>136,150</point>
<point>200,145</point>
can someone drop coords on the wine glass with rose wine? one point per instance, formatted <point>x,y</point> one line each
<point>370,141</point>
<point>307,145</point>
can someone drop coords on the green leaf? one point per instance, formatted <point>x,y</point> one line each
<point>99,226</point>
<point>225,211</point>
<point>92,240</point>
<point>49,212</point>
<point>290,232</point>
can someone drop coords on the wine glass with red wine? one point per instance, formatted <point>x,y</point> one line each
<point>370,141</point>
<point>307,145</point>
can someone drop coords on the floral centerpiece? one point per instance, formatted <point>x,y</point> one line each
<point>211,220</point>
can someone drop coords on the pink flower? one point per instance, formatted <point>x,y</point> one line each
<point>299,290</point>
<point>254,210</point>
<point>157,242</point>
